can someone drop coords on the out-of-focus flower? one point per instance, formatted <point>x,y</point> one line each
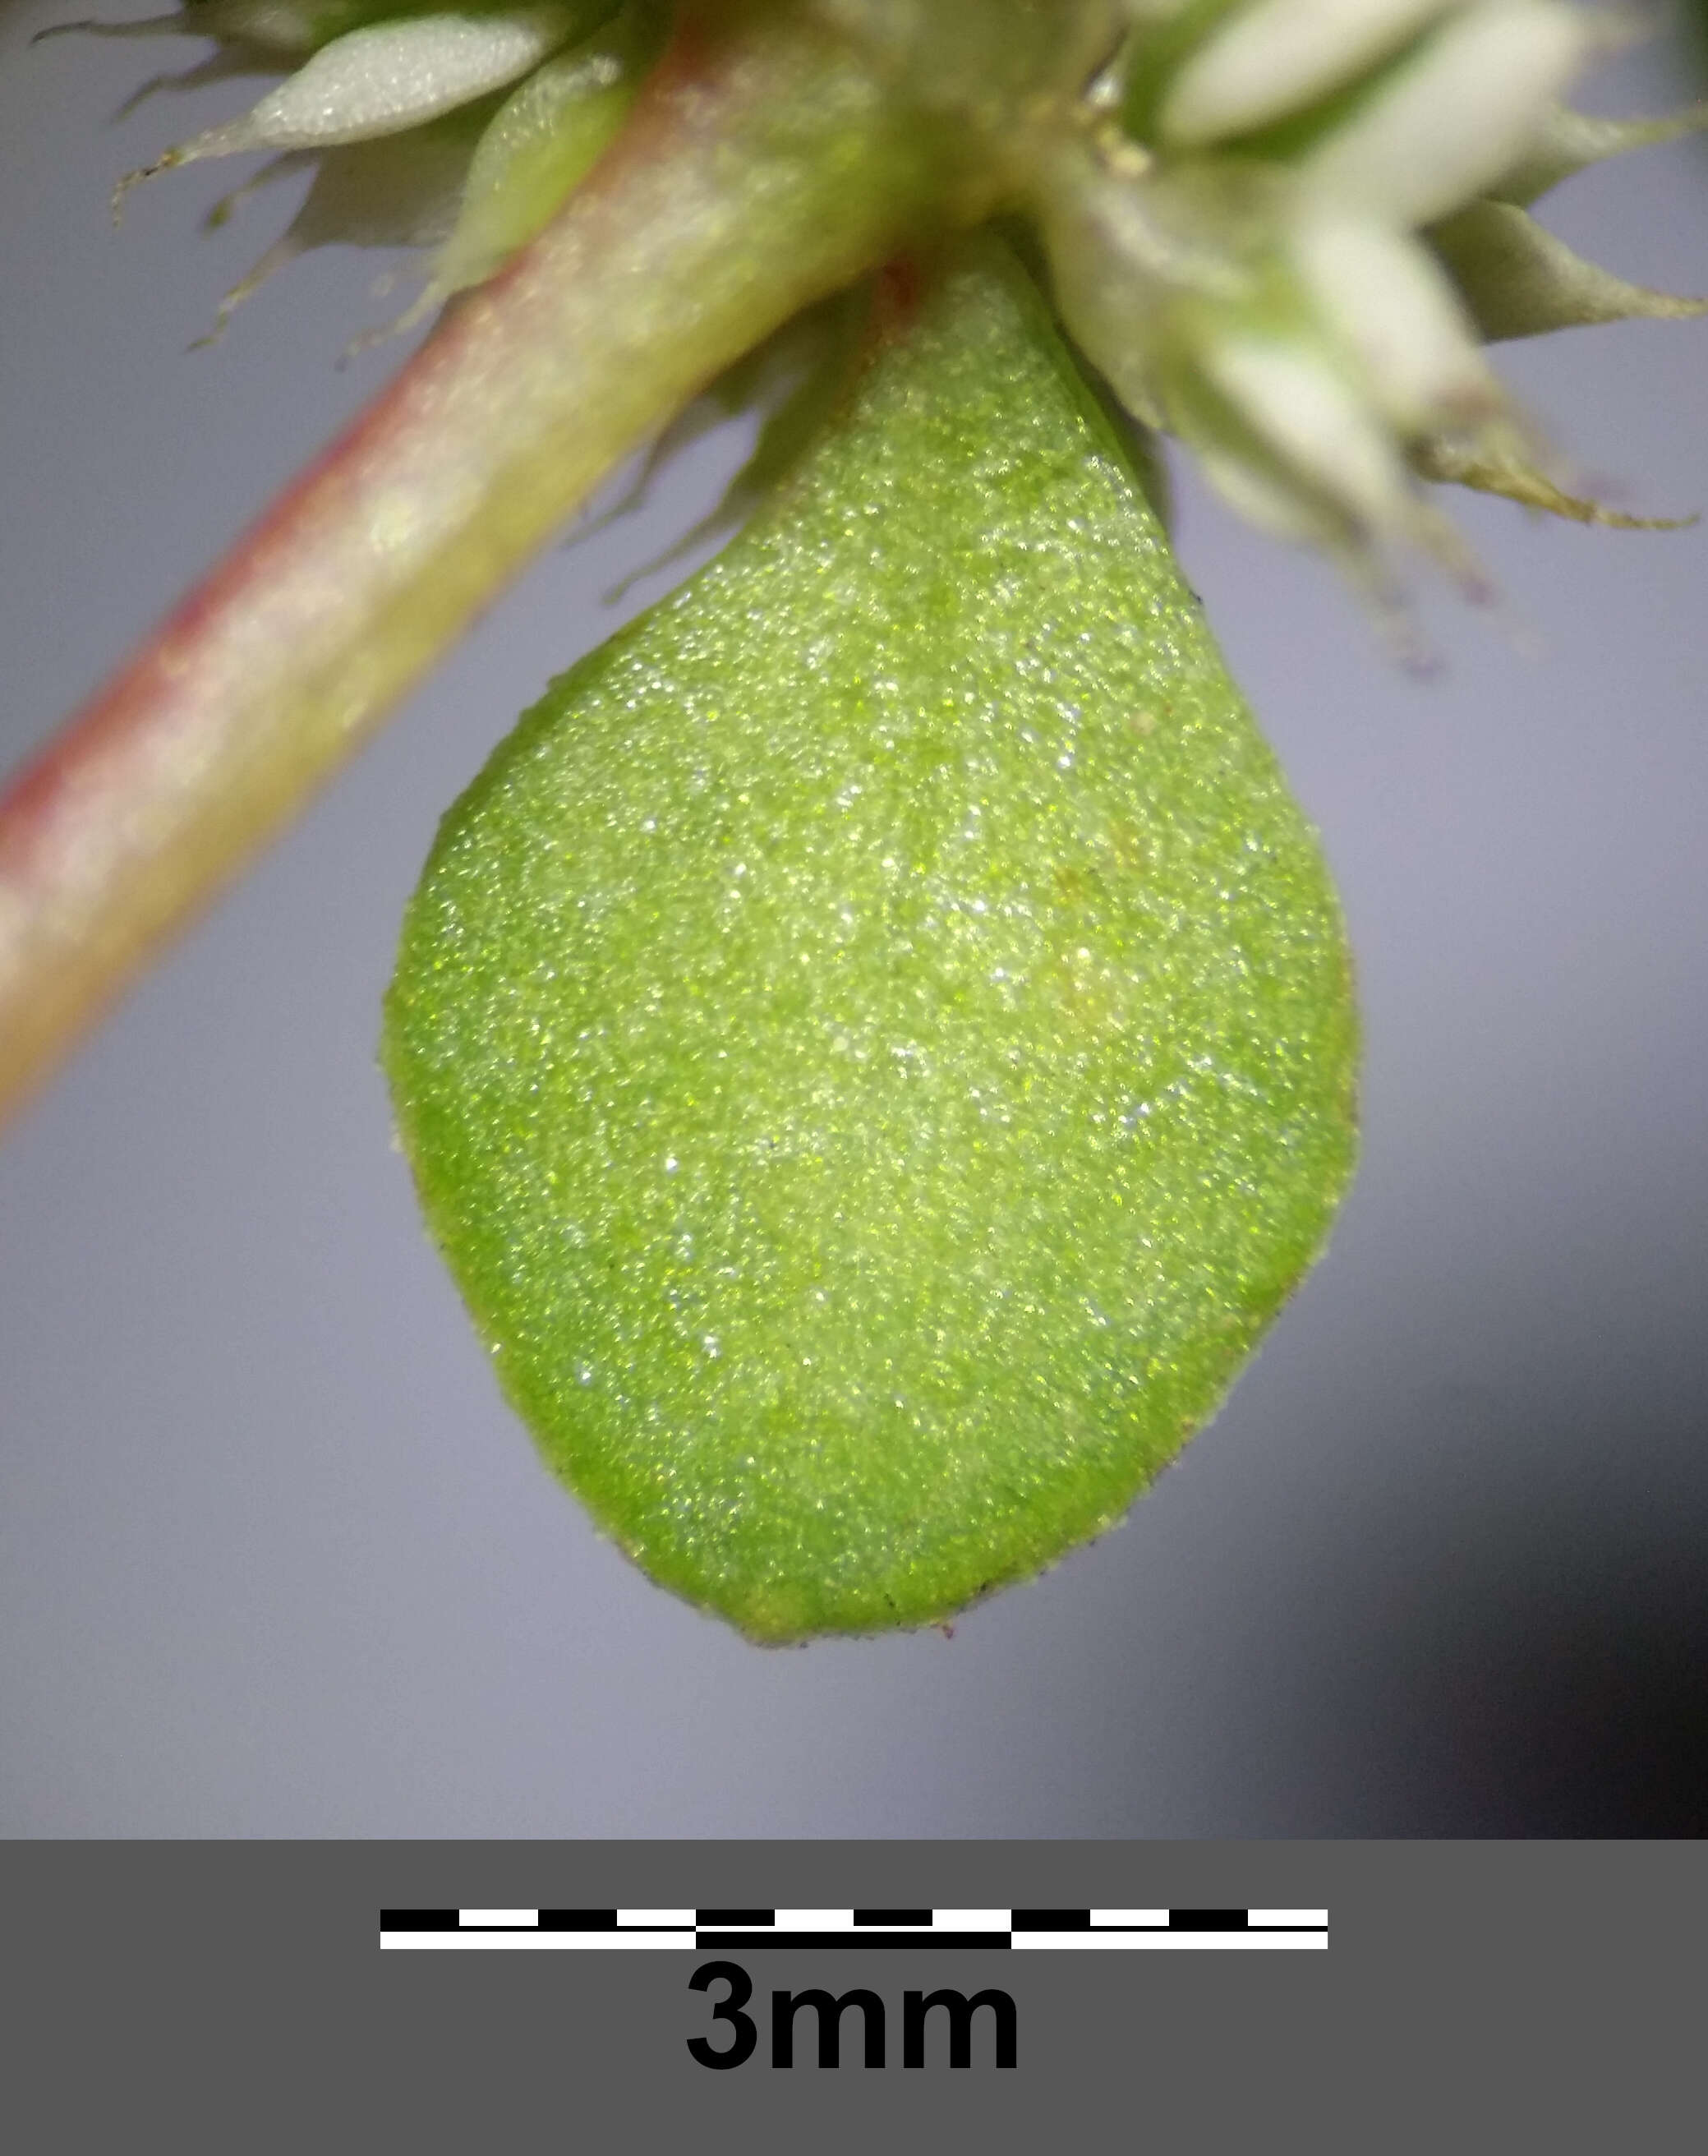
<point>1296,226</point>
<point>458,129</point>
<point>1283,230</point>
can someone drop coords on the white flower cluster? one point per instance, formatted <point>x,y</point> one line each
<point>1294,227</point>
<point>460,128</point>
<point>1284,230</point>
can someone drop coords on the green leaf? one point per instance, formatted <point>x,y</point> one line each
<point>876,1044</point>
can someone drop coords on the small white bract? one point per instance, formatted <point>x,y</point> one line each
<point>403,118</point>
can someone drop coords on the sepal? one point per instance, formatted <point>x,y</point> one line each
<point>1519,280</point>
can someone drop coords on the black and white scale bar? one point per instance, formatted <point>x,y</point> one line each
<point>742,1930</point>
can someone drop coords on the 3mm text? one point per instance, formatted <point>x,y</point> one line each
<point>934,2016</point>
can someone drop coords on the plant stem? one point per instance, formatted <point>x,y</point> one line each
<point>763,167</point>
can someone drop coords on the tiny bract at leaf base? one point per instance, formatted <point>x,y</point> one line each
<point>876,1046</point>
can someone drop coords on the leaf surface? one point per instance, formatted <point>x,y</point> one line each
<point>876,1045</point>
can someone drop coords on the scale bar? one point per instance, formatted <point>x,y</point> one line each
<point>912,1940</point>
<point>1152,1940</point>
<point>732,1931</point>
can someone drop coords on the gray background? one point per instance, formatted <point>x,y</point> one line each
<point>1549,1992</point>
<point>273,1558</point>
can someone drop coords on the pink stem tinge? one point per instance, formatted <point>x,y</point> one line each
<point>762,168</point>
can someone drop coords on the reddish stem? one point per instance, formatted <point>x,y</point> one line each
<point>761,170</point>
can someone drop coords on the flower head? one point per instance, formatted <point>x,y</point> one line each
<point>1283,230</point>
<point>1289,239</point>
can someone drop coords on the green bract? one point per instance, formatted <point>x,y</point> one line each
<point>876,1045</point>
